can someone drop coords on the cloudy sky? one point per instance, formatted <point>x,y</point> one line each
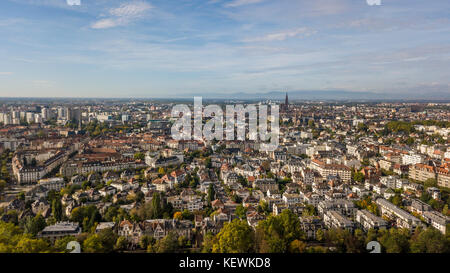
<point>149,48</point>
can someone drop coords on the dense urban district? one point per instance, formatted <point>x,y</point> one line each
<point>109,175</point>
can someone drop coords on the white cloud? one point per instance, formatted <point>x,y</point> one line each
<point>237,3</point>
<point>105,23</point>
<point>281,36</point>
<point>123,15</point>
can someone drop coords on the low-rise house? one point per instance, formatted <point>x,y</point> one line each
<point>253,218</point>
<point>104,225</point>
<point>120,185</point>
<point>108,190</point>
<point>41,207</point>
<point>159,228</point>
<point>312,198</point>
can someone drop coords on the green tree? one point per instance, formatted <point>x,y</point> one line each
<point>168,244</point>
<point>430,240</point>
<point>121,244</point>
<point>276,233</point>
<point>2,185</point>
<point>34,224</point>
<point>395,240</point>
<point>57,209</point>
<point>60,245</point>
<point>241,212</point>
<point>93,244</point>
<point>235,237</point>
<point>139,156</point>
<point>29,245</point>
<point>358,177</point>
<point>211,194</point>
<point>145,241</point>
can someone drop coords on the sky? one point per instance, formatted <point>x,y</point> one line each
<point>158,48</point>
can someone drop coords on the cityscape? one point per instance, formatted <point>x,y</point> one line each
<point>224,127</point>
<point>109,175</point>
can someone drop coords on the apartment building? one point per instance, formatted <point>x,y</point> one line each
<point>60,230</point>
<point>334,219</point>
<point>421,172</point>
<point>343,206</point>
<point>437,220</point>
<point>55,183</point>
<point>443,177</point>
<point>403,219</point>
<point>325,170</point>
<point>368,220</point>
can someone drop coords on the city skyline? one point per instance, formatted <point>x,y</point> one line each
<point>143,48</point>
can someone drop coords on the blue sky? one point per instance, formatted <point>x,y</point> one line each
<point>153,48</point>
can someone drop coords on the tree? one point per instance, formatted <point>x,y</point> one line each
<point>187,215</point>
<point>102,242</point>
<point>2,185</point>
<point>87,216</point>
<point>211,194</point>
<point>168,244</point>
<point>156,206</point>
<point>108,239</point>
<point>93,244</point>
<point>121,243</point>
<point>29,245</point>
<point>276,233</point>
<point>139,156</point>
<point>208,242</point>
<point>241,212</point>
<point>396,200</point>
<point>395,240</point>
<point>21,196</point>
<point>61,244</point>
<point>430,240</point>
<point>358,177</point>
<point>178,215</point>
<point>445,209</point>
<point>34,224</point>
<point>57,209</point>
<point>13,240</point>
<point>235,237</point>
<point>430,182</point>
<point>297,246</point>
<point>320,235</point>
<point>145,241</point>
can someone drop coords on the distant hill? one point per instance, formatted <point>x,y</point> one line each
<point>323,95</point>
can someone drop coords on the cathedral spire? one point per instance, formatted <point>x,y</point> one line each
<point>286,102</point>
